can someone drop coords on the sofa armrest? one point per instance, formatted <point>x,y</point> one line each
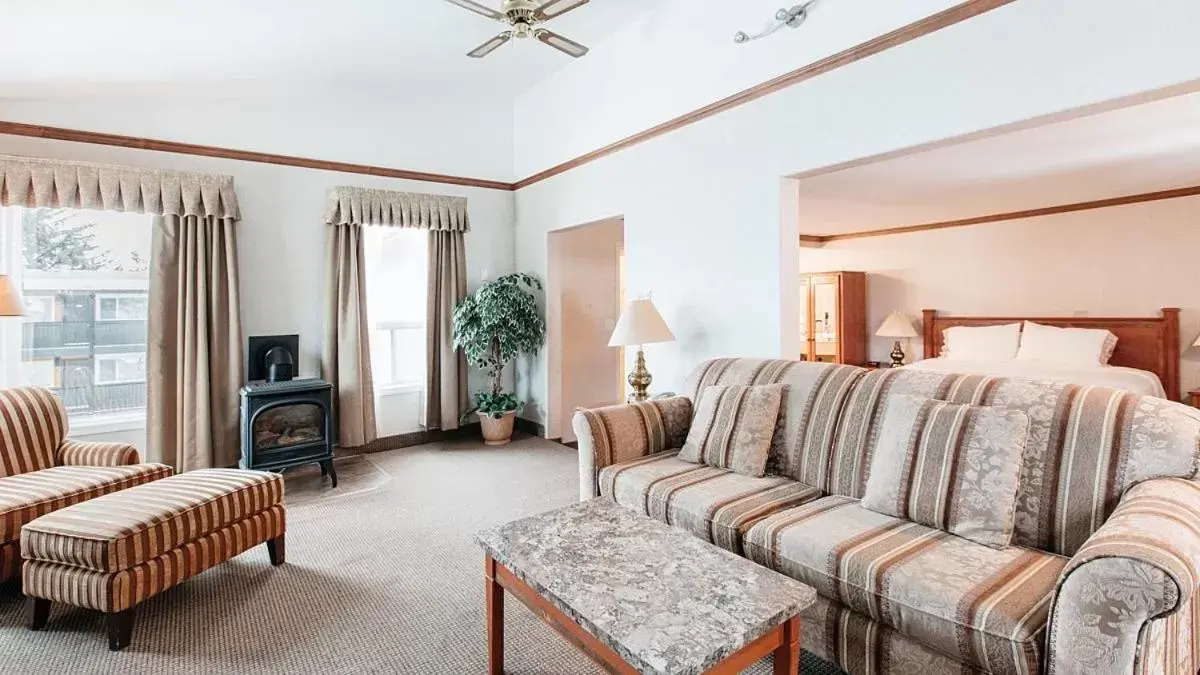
<point>620,433</point>
<point>81,453</point>
<point>1142,564</point>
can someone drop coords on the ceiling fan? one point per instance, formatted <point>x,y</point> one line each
<point>524,16</point>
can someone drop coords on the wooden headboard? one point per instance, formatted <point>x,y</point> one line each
<point>1145,343</point>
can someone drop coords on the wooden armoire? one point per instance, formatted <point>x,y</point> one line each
<point>833,317</point>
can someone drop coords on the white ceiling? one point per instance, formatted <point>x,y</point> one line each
<point>221,49</point>
<point>1142,148</point>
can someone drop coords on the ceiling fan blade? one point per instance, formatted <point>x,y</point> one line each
<point>562,44</point>
<point>478,9</point>
<point>490,46</point>
<point>553,8</point>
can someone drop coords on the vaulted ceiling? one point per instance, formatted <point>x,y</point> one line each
<point>221,49</point>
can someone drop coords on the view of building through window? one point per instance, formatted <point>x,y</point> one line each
<point>84,280</point>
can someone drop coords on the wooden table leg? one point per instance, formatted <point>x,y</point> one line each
<point>495,617</point>
<point>787,655</point>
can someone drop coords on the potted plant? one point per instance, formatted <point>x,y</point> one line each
<point>494,325</point>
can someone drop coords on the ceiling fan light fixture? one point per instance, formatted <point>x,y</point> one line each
<point>523,18</point>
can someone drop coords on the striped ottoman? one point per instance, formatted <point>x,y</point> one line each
<point>113,552</point>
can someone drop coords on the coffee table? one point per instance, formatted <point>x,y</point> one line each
<point>639,596</point>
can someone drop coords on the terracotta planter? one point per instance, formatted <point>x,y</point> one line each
<point>497,431</point>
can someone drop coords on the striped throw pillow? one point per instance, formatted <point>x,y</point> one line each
<point>949,466</point>
<point>733,427</point>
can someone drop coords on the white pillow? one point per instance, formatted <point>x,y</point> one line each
<point>1074,346</point>
<point>981,343</point>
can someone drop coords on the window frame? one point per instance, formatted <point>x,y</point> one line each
<point>117,358</point>
<point>117,298</point>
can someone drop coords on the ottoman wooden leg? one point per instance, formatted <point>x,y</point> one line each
<point>120,629</point>
<point>277,551</point>
<point>38,611</point>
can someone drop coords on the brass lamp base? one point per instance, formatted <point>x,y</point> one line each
<point>640,379</point>
<point>897,355</point>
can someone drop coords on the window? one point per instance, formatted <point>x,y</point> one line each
<point>396,271</point>
<point>84,279</point>
<point>129,307</point>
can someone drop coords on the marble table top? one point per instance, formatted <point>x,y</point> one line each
<point>666,601</point>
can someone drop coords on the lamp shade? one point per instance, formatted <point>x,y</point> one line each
<point>1196,342</point>
<point>10,300</point>
<point>640,324</point>
<point>896,325</point>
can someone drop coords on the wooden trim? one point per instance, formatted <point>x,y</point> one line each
<point>96,138</point>
<point>1176,193</point>
<point>930,24</point>
<point>1145,343</point>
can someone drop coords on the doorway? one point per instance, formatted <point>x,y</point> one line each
<point>586,288</point>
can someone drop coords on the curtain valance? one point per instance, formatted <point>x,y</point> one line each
<point>32,182</point>
<point>363,206</point>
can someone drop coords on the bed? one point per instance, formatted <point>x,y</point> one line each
<point>1146,359</point>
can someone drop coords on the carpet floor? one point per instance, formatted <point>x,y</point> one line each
<point>382,575</point>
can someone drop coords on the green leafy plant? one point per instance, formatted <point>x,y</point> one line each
<point>495,325</point>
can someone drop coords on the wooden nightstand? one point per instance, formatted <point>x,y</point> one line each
<point>1193,398</point>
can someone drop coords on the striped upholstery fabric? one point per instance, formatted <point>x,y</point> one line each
<point>949,466</point>
<point>716,505</point>
<point>620,433</point>
<point>115,592</point>
<point>78,453</point>
<point>31,495</point>
<point>32,426</point>
<point>987,608</point>
<point>813,397</point>
<point>733,427</point>
<point>1169,645</point>
<point>861,646</point>
<point>1143,564</point>
<point>124,529</point>
<point>1086,445</point>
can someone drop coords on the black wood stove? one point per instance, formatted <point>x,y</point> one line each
<point>285,422</point>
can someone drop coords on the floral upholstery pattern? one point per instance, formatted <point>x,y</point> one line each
<point>949,466</point>
<point>733,427</point>
<point>716,505</point>
<point>988,608</point>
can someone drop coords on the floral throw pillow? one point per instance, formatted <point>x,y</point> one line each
<point>949,466</point>
<point>733,427</point>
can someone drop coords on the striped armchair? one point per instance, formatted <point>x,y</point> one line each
<point>41,471</point>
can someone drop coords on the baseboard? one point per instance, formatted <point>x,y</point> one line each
<point>412,439</point>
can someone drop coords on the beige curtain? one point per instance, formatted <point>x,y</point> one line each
<point>446,371</point>
<point>194,356</point>
<point>347,351</point>
<point>347,354</point>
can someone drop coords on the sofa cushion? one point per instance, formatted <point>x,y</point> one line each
<point>950,466</point>
<point>717,505</point>
<point>32,425</point>
<point>732,428</point>
<point>985,607</point>
<point>120,531</point>
<point>30,495</point>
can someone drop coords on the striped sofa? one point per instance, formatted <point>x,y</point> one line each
<point>1102,575</point>
<point>42,471</point>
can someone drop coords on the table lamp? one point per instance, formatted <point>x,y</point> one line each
<point>896,325</point>
<point>10,300</point>
<point>640,324</point>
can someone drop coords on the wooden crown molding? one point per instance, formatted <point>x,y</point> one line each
<point>930,24</point>
<point>95,138</point>
<point>1160,195</point>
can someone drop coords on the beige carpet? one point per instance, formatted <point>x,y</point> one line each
<point>382,576</point>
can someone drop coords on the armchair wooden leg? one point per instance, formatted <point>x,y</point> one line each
<point>38,612</point>
<point>120,629</point>
<point>277,550</point>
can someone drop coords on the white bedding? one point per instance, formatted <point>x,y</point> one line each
<point>1117,377</point>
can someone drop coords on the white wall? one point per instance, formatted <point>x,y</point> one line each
<point>465,138</point>
<point>702,205</point>
<point>1121,261</point>
<point>281,238</point>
